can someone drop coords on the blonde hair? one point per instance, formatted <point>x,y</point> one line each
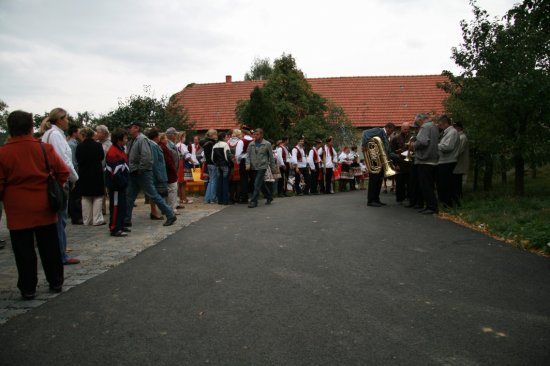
<point>236,133</point>
<point>45,125</point>
<point>55,115</point>
<point>211,132</point>
<point>181,136</point>
<point>162,136</point>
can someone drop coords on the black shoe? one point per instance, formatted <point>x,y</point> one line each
<point>119,233</point>
<point>252,204</point>
<point>381,203</point>
<point>78,222</point>
<point>153,217</point>
<point>428,212</point>
<point>170,221</point>
<point>374,204</point>
<point>126,230</point>
<point>269,200</point>
<point>56,289</point>
<point>127,224</point>
<point>28,295</point>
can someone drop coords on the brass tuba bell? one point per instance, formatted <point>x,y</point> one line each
<point>376,158</point>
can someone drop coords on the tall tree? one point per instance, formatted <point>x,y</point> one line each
<point>504,88</point>
<point>261,69</point>
<point>259,113</point>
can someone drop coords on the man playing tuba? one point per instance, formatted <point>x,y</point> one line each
<point>377,159</point>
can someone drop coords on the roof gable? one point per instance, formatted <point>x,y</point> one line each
<point>367,100</point>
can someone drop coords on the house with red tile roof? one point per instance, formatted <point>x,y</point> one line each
<point>368,101</point>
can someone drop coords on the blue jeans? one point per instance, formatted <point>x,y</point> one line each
<point>61,223</point>
<point>145,182</point>
<point>259,185</point>
<point>223,185</point>
<point>212,188</point>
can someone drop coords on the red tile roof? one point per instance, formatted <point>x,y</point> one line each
<point>367,100</point>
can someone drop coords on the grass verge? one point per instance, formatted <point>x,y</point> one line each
<point>521,221</point>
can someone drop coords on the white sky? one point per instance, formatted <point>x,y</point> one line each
<point>85,55</point>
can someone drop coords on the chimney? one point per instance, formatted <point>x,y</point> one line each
<point>228,79</point>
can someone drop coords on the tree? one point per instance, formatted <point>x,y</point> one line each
<point>502,94</point>
<point>3,121</point>
<point>261,69</point>
<point>286,105</point>
<point>259,112</point>
<point>149,110</point>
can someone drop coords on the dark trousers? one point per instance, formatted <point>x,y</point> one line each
<point>223,185</point>
<point>25,256</point>
<point>260,185</point>
<point>375,185</point>
<point>401,186</point>
<point>328,180</point>
<point>314,179</point>
<point>445,183</point>
<point>75,204</point>
<point>243,182</point>
<point>117,210</point>
<point>304,172</point>
<point>415,194</point>
<point>281,188</point>
<point>426,182</point>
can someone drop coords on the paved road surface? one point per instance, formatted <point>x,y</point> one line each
<point>306,281</point>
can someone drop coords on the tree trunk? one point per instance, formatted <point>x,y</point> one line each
<point>503,169</point>
<point>519,186</point>
<point>488,174</point>
<point>476,174</point>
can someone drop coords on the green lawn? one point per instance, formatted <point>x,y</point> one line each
<point>523,221</point>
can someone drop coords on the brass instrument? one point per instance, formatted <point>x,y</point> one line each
<point>410,150</point>
<point>376,158</point>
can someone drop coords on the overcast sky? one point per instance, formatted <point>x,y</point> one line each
<point>85,55</point>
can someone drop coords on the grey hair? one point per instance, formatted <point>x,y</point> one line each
<point>103,128</point>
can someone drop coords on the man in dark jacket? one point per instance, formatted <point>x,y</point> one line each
<point>375,180</point>
<point>140,161</point>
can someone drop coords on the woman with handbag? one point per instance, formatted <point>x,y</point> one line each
<point>24,190</point>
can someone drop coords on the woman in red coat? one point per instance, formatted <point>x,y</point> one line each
<point>23,188</point>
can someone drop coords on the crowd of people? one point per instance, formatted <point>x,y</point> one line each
<point>104,170</point>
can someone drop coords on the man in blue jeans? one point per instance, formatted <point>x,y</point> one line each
<point>140,162</point>
<point>259,158</point>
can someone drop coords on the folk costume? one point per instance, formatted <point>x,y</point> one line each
<point>301,171</point>
<point>316,172</point>
<point>329,160</point>
<point>116,179</point>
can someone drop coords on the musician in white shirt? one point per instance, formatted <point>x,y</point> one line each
<point>282,152</point>
<point>298,161</point>
<point>316,171</point>
<point>329,160</point>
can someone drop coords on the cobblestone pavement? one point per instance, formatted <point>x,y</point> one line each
<point>97,251</point>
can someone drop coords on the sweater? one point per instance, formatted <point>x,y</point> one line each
<point>23,182</point>
<point>425,146</point>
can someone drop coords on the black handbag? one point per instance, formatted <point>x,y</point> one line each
<point>57,198</point>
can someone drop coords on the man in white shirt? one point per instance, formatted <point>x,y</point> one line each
<point>59,120</point>
<point>283,153</point>
<point>240,153</point>
<point>301,171</point>
<point>314,162</point>
<point>329,160</point>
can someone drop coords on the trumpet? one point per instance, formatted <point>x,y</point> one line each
<point>410,149</point>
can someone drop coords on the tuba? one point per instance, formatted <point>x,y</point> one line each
<point>376,158</point>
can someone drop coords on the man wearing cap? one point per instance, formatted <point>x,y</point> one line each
<point>426,158</point>
<point>140,162</point>
<point>298,160</point>
<point>375,180</point>
<point>314,162</point>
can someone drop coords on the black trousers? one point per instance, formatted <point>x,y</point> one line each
<point>297,177</point>
<point>415,194</point>
<point>328,180</point>
<point>445,183</point>
<point>117,210</point>
<point>75,204</point>
<point>47,242</point>
<point>282,182</point>
<point>243,181</point>
<point>314,179</point>
<point>375,185</point>
<point>426,182</point>
<point>402,185</point>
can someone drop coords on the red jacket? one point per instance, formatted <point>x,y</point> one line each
<point>23,182</point>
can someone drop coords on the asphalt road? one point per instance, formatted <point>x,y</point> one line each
<point>319,280</point>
